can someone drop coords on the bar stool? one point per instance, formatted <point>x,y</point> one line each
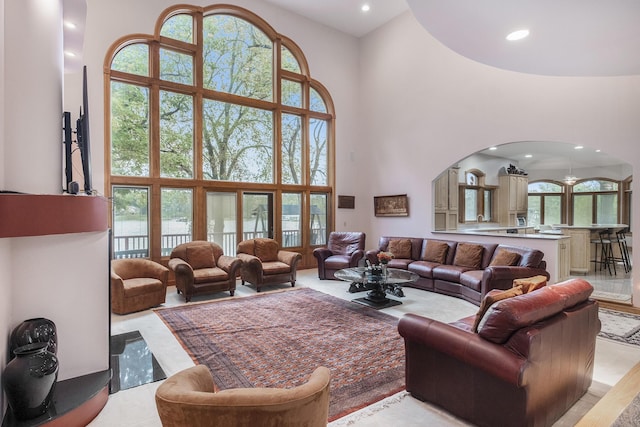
<point>606,251</point>
<point>621,240</point>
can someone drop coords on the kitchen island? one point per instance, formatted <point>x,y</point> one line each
<point>582,250</point>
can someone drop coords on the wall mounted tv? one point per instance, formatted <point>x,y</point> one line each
<point>82,143</point>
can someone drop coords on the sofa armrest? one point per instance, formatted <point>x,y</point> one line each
<point>467,347</point>
<point>181,268</point>
<point>289,257</point>
<point>322,253</point>
<point>229,264</point>
<point>372,255</point>
<point>250,263</point>
<point>501,277</point>
<point>356,256</point>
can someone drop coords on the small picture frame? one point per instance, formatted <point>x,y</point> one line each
<point>347,202</point>
<point>397,205</point>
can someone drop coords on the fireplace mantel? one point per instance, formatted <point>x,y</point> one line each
<point>23,215</point>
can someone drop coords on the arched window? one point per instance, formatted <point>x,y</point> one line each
<point>595,201</point>
<point>217,132</point>
<point>545,205</point>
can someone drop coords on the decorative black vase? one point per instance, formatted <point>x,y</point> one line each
<point>29,380</point>
<point>34,330</point>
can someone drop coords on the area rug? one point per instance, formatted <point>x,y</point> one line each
<point>619,326</point>
<point>277,339</point>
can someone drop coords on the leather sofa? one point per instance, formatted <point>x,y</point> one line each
<point>344,250</point>
<point>530,361</point>
<point>442,267</point>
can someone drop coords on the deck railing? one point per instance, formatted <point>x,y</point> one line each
<point>138,246</point>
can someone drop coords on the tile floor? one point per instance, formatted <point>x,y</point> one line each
<point>135,407</point>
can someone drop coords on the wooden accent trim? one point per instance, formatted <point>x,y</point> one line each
<point>41,215</point>
<point>83,414</point>
<point>614,402</point>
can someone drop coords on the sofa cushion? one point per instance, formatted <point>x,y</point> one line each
<point>423,268</point>
<point>530,284</point>
<point>266,250</point>
<point>400,248</point>
<point>505,317</point>
<point>468,255</point>
<point>505,258</point>
<point>492,297</point>
<point>449,273</point>
<point>435,251</point>
<point>200,256</point>
<point>472,279</point>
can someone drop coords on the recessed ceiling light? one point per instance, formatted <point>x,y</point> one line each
<point>528,156</point>
<point>365,7</point>
<point>598,150</point>
<point>493,148</point>
<point>518,35</point>
<point>70,54</point>
<point>578,147</point>
<point>70,25</point>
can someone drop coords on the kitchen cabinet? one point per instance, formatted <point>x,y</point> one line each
<point>446,200</point>
<point>564,259</point>
<point>513,195</point>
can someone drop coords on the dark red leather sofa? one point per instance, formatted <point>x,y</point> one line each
<point>530,361</point>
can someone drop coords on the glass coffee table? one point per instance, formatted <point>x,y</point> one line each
<point>379,285</point>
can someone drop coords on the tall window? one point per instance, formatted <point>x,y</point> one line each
<point>545,204</point>
<point>217,132</point>
<point>595,202</point>
<point>476,199</point>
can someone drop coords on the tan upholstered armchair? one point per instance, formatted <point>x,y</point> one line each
<point>188,399</point>
<point>344,250</point>
<point>137,284</point>
<point>263,263</point>
<point>201,268</point>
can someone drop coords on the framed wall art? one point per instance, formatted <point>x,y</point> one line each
<point>391,205</point>
<point>347,202</point>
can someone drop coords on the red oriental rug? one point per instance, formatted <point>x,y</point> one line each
<point>277,340</point>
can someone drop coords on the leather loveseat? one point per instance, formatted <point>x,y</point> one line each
<point>530,361</point>
<point>467,270</point>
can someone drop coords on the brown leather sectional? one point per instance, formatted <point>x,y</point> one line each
<point>530,361</point>
<point>452,276</point>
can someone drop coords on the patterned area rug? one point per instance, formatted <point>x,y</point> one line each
<point>620,326</point>
<point>277,340</point>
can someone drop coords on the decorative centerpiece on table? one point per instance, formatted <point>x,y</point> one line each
<point>383,260</point>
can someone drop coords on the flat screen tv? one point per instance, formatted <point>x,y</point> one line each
<point>82,141</point>
<point>82,134</point>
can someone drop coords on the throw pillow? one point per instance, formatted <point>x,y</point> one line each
<point>492,297</point>
<point>435,252</point>
<point>530,284</point>
<point>200,256</point>
<point>468,255</point>
<point>266,250</point>
<point>400,248</point>
<point>506,258</point>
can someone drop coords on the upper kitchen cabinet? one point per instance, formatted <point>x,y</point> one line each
<point>512,199</point>
<point>446,200</point>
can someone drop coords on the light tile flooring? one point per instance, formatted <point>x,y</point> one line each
<point>136,407</point>
<point>611,287</point>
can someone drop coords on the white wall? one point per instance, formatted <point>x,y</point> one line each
<point>426,107</point>
<point>62,277</point>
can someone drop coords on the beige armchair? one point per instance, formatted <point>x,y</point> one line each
<point>137,284</point>
<point>201,268</point>
<point>188,399</point>
<point>263,263</point>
